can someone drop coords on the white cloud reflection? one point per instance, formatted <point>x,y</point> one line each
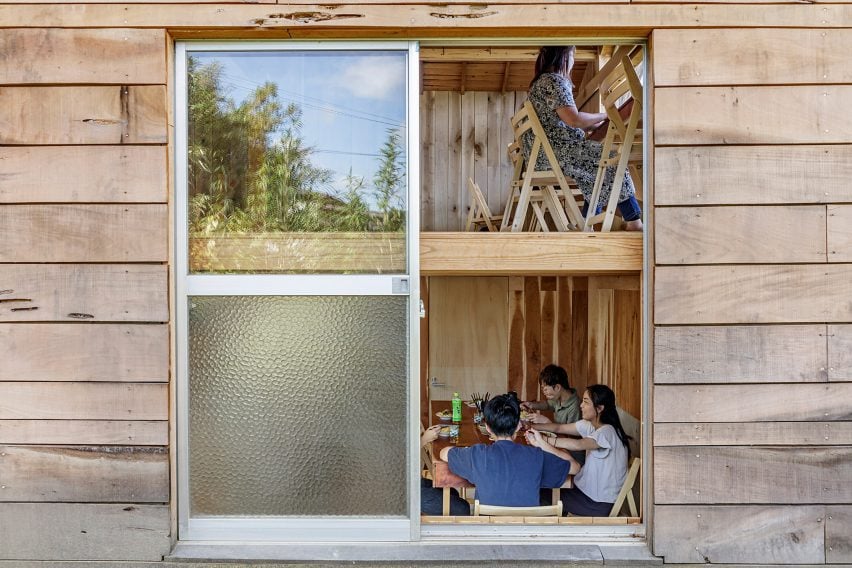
<point>379,78</point>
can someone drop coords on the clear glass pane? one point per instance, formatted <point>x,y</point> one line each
<point>297,162</point>
<point>298,405</point>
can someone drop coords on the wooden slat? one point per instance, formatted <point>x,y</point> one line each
<point>718,235</point>
<point>564,329</point>
<point>83,174</point>
<point>755,354</point>
<point>840,352</point>
<point>752,175</point>
<point>427,161</point>
<point>532,338</point>
<point>840,233</point>
<point>83,401</point>
<point>84,352</point>
<point>752,475</point>
<point>752,294</point>
<point>530,253</point>
<point>749,115</point>
<point>455,175</point>
<point>96,474</point>
<point>72,531</point>
<point>90,432</point>
<point>838,534</point>
<point>751,56</point>
<point>626,350</point>
<point>756,534</point>
<point>123,56</point>
<point>753,434</point>
<point>75,292</point>
<point>445,192</point>
<point>516,370</point>
<point>579,377</point>
<point>753,403</point>
<point>83,233</point>
<point>83,115</point>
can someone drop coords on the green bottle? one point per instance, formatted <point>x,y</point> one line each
<point>457,408</point>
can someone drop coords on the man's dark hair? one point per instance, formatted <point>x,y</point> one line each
<point>553,375</point>
<point>502,414</point>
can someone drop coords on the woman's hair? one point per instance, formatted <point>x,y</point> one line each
<point>553,375</point>
<point>552,59</point>
<point>602,395</point>
<point>502,414</point>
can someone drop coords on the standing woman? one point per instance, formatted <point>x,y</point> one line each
<point>605,442</point>
<point>551,96</point>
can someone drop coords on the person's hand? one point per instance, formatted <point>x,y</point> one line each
<point>534,438</point>
<point>430,434</point>
<point>537,418</point>
<point>525,405</point>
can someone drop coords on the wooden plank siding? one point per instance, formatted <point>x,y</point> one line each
<point>84,228</point>
<point>751,297</point>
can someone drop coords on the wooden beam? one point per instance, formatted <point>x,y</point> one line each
<point>501,54</point>
<point>88,432</point>
<point>505,77</point>
<point>529,253</point>
<point>753,434</point>
<point>118,56</point>
<point>83,401</point>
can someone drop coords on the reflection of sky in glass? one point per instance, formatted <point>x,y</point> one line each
<point>349,100</point>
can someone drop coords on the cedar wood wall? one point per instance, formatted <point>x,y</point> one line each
<point>750,234</point>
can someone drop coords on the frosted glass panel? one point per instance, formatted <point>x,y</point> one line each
<point>298,405</point>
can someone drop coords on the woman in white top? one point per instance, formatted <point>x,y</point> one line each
<point>598,481</point>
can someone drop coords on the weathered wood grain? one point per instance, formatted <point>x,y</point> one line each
<point>752,475</point>
<point>730,354</point>
<point>84,233</point>
<point>839,234</point>
<point>752,294</point>
<point>758,535</point>
<point>88,174</point>
<point>73,531</point>
<point>93,292</point>
<point>734,235</point>
<point>95,474</point>
<point>83,401</point>
<point>89,432</point>
<point>749,115</point>
<point>123,56</point>
<point>532,338</point>
<point>752,175</point>
<point>840,352</point>
<point>751,57</point>
<point>78,352</point>
<point>117,114</point>
<point>838,535</point>
<point>529,253</point>
<point>807,402</point>
<point>753,434</point>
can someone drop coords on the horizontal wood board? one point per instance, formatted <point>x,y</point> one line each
<point>74,531</point>
<point>752,175</point>
<point>838,535</point>
<point>806,402</point>
<point>123,56</point>
<point>840,352</point>
<point>84,292</point>
<point>83,401</point>
<point>753,434</point>
<point>89,432</point>
<point>839,233</point>
<point>84,233</point>
<point>742,235</point>
<point>752,475</point>
<point>729,354</point>
<point>117,114</point>
<point>111,474</point>
<point>749,115</point>
<point>84,352</point>
<point>83,174</point>
<point>752,294</point>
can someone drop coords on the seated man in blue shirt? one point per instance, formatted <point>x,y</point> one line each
<point>505,473</point>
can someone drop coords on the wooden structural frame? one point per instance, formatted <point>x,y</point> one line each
<point>748,303</point>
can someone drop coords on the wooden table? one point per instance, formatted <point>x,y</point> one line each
<point>469,435</point>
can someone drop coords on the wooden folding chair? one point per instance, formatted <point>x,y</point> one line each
<point>549,188</point>
<point>497,511</point>
<point>480,216</point>
<point>627,491</point>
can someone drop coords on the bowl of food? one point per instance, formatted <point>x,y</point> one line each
<point>444,432</point>
<point>445,415</point>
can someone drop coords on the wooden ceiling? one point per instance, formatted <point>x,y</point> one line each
<point>486,68</point>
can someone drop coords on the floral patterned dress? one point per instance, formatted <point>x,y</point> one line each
<point>578,157</point>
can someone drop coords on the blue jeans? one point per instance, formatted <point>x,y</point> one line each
<point>630,210</point>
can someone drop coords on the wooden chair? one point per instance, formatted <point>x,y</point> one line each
<point>426,458</point>
<point>627,491</point>
<point>549,188</point>
<point>497,511</point>
<point>480,215</point>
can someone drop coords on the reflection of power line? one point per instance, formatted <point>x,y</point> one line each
<point>326,106</point>
<point>347,153</point>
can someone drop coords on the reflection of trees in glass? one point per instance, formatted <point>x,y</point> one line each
<point>250,170</point>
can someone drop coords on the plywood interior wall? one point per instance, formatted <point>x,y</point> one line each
<point>496,333</point>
